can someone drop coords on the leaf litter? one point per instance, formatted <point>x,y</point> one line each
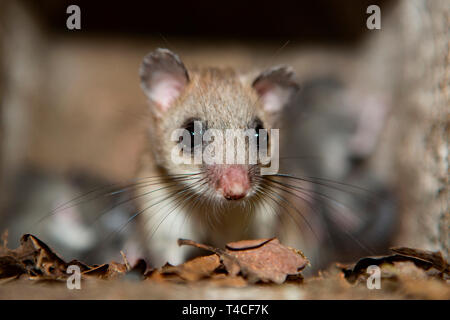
<point>240,264</point>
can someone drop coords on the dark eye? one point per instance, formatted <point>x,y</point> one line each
<point>195,128</point>
<point>259,126</point>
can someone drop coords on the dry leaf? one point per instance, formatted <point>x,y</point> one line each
<point>434,258</point>
<point>424,260</point>
<point>264,260</point>
<point>35,259</point>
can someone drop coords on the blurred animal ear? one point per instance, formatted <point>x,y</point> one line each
<point>163,77</point>
<point>275,88</point>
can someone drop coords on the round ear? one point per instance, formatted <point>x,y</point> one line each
<point>163,77</point>
<point>275,88</point>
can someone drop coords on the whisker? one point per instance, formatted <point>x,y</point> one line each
<point>307,201</point>
<point>270,191</point>
<point>260,195</point>
<point>194,205</point>
<point>172,183</point>
<point>194,194</point>
<point>134,182</point>
<point>182,202</point>
<point>178,192</point>
<point>364,247</point>
<point>321,181</point>
<point>321,194</point>
<point>70,204</point>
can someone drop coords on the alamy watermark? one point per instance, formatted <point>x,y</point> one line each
<point>374,20</point>
<point>73,281</point>
<point>230,146</point>
<point>73,22</point>
<point>374,280</point>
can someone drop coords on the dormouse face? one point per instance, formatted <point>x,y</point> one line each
<point>218,99</point>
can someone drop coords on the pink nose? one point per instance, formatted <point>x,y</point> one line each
<point>234,182</point>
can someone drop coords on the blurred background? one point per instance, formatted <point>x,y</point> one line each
<point>373,112</point>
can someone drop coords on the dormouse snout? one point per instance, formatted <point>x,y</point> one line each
<point>231,181</point>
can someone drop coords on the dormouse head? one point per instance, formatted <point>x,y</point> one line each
<point>198,100</point>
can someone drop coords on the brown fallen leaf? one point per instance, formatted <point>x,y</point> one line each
<point>264,260</point>
<point>107,271</point>
<point>11,267</point>
<point>33,257</point>
<point>192,270</point>
<point>424,260</point>
<point>199,267</point>
<point>434,258</point>
<point>224,280</point>
<point>36,260</point>
<point>167,273</point>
